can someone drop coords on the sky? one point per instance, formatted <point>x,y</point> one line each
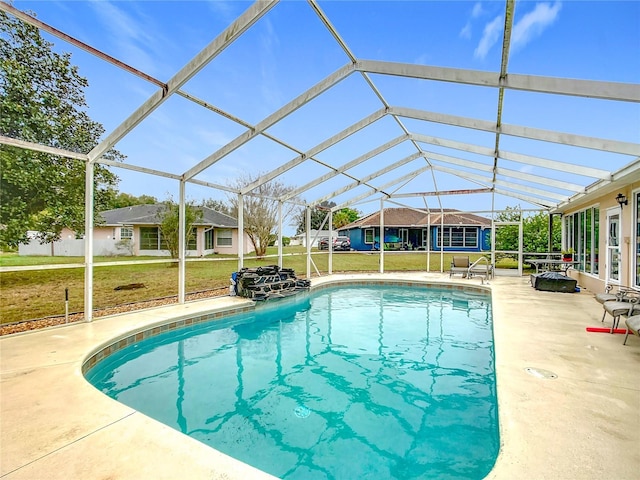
<point>289,50</point>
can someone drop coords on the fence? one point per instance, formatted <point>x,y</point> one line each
<point>71,247</point>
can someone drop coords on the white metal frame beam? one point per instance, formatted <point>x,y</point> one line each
<point>436,193</point>
<point>404,178</point>
<point>514,157</point>
<point>489,181</point>
<point>36,147</point>
<point>623,92</point>
<point>357,161</point>
<point>272,119</point>
<point>505,172</point>
<point>213,49</point>
<point>347,132</point>
<point>607,145</point>
<point>368,178</point>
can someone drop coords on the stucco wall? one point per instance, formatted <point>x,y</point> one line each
<point>606,202</point>
<point>104,244</point>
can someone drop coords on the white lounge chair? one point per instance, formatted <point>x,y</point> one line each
<point>459,264</point>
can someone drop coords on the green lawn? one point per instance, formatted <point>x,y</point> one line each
<point>39,293</point>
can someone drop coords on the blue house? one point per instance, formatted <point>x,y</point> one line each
<point>417,229</point>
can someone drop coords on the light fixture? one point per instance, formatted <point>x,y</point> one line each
<point>622,200</point>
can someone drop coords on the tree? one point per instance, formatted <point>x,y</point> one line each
<point>42,101</point>
<point>261,209</point>
<point>535,232</point>
<point>318,214</point>
<point>122,200</point>
<point>217,205</point>
<point>169,219</point>
<point>345,216</point>
<point>341,218</point>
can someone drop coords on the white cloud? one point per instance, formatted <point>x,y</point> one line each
<point>475,13</point>
<point>269,89</point>
<point>490,36</point>
<point>466,31</point>
<point>133,38</point>
<point>477,10</point>
<point>224,9</point>
<point>534,23</point>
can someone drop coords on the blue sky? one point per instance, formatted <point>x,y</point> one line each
<point>289,50</point>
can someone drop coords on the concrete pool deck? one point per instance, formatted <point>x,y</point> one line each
<point>584,424</point>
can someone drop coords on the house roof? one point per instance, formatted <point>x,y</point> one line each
<point>150,215</point>
<point>409,217</point>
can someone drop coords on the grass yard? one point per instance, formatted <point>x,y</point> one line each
<point>31,294</point>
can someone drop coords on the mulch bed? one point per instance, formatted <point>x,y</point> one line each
<point>77,317</point>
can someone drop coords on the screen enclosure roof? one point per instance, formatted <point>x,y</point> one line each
<point>473,106</point>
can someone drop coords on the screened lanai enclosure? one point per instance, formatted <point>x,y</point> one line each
<point>429,106</point>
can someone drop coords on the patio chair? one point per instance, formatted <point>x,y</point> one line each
<point>617,309</point>
<point>612,293</point>
<point>633,326</point>
<point>459,264</point>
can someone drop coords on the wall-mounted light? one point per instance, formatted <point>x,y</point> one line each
<point>622,200</point>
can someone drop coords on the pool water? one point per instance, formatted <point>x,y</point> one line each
<point>362,382</point>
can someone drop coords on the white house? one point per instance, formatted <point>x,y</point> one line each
<point>135,231</point>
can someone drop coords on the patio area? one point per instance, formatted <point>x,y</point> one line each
<point>581,425</point>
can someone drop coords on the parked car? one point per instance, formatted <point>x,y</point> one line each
<point>339,243</point>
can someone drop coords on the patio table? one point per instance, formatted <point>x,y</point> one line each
<point>553,264</point>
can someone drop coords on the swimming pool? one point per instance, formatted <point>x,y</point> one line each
<point>348,382</point>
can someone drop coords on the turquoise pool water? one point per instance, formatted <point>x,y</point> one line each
<point>363,382</point>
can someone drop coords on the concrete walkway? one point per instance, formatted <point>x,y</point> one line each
<point>584,424</point>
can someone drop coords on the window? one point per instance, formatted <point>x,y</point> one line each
<point>466,237</point>
<point>581,232</point>
<point>368,235</point>
<point>208,239</point>
<point>126,232</point>
<point>470,237</point>
<point>457,237</point>
<point>149,238</point>
<point>192,243</point>
<point>224,237</point>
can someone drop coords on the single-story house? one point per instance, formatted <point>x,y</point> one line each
<point>135,230</point>
<point>418,229</point>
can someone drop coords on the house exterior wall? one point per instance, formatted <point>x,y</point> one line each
<point>597,267</point>
<point>481,239</point>
<point>104,244</point>
<point>233,249</point>
<point>368,238</point>
<point>107,241</point>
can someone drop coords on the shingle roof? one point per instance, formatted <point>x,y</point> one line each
<point>409,217</point>
<point>150,215</point>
